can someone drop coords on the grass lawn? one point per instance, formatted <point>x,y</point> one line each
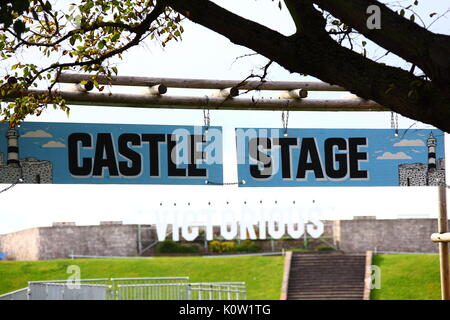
<point>262,275</point>
<point>403,276</point>
<point>408,277</point>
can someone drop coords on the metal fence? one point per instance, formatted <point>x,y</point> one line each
<point>183,291</point>
<point>64,291</point>
<point>21,294</point>
<point>127,288</point>
<point>164,288</point>
<point>217,291</point>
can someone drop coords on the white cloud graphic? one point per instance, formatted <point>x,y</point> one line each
<point>416,151</point>
<point>54,144</point>
<point>37,134</point>
<point>410,143</point>
<point>394,156</point>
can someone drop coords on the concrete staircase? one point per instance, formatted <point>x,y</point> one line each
<point>326,276</point>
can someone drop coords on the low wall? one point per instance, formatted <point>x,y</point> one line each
<point>59,242</point>
<point>399,235</point>
<point>102,240</point>
<point>21,245</point>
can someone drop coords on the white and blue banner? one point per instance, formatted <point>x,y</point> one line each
<point>73,153</point>
<point>339,157</point>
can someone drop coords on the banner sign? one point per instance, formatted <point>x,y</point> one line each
<point>340,157</point>
<point>47,152</point>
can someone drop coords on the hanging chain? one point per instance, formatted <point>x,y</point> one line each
<point>285,121</point>
<point>206,118</point>
<point>224,183</point>
<point>394,122</point>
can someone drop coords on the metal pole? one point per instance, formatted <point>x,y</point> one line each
<point>139,239</point>
<point>443,246</point>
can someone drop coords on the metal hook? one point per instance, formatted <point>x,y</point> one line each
<point>394,123</point>
<point>206,118</point>
<point>285,121</point>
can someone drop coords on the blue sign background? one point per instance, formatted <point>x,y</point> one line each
<point>385,152</point>
<point>48,141</point>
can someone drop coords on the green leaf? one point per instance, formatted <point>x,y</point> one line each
<point>48,6</point>
<point>115,37</point>
<point>19,27</point>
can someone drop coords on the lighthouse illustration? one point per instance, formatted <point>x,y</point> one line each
<point>28,170</point>
<point>13,147</point>
<point>431,173</point>
<point>431,143</point>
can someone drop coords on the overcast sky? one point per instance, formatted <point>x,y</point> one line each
<point>204,54</point>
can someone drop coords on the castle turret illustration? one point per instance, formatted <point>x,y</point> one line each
<point>431,173</point>
<point>28,170</point>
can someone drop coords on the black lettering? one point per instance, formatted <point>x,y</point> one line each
<point>286,166</point>
<point>105,156</point>
<point>194,155</point>
<point>73,143</point>
<point>173,171</point>
<point>331,158</point>
<point>356,156</point>
<point>128,153</point>
<point>261,157</point>
<point>153,151</point>
<point>308,147</point>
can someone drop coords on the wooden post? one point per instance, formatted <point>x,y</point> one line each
<point>443,246</point>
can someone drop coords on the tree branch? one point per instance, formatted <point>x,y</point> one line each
<point>139,30</point>
<point>427,50</point>
<point>316,54</point>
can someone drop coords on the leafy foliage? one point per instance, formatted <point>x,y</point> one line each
<point>222,246</point>
<point>325,248</point>
<point>169,246</point>
<point>231,246</point>
<point>81,38</point>
<point>9,9</point>
<point>84,36</point>
<point>248,246</point>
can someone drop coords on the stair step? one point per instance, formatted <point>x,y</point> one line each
<point>324,292</point>
<point>326,276</point>
<point>326,298</point>
<point>328,286</point>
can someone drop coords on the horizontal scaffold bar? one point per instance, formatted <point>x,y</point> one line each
<point>440,237</point>
<point>181,102</point>
<point>202,83</point>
